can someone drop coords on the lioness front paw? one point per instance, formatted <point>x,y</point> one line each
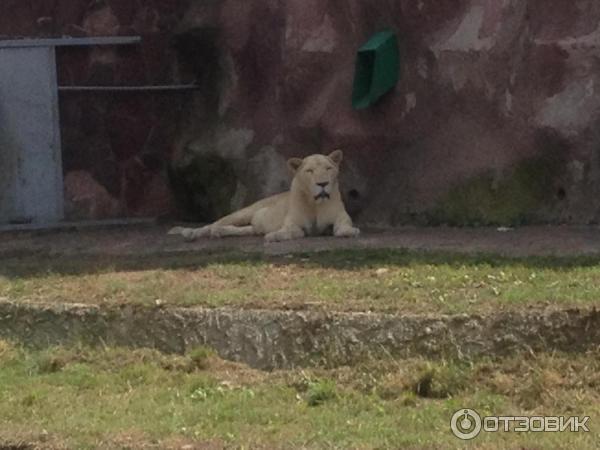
<point>275,236</point>
<point>347,232</point>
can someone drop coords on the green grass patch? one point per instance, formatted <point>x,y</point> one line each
<point>320,391</point>
<point>119,398</point>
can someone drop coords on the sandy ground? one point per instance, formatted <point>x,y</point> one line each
<point>151,239</point>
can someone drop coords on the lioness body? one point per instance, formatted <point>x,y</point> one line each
<point>311,206</point>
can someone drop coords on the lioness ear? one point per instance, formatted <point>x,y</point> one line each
<point>294,164</point>
<point>336,156</point>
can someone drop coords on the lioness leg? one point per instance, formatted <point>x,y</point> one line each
<point>191,234</point>
<point>343,226</point>
<point>235,220</point>
<point>286,233</point>
<point>231,230</point>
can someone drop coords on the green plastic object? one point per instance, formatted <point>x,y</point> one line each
<point>377,69</point>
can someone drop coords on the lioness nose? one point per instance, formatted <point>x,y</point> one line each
<point>325,183</point>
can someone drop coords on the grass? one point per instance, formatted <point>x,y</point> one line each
<point>79,397</point>
<point>116,398</point>
<point>350,280</point>
<point>320,391</point>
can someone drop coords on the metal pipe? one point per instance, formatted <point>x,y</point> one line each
<point>172,87</point>
<point>71,41</point>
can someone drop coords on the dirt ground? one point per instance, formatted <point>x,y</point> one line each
<point>152,239</point>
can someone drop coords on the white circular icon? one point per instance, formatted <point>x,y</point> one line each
<point>465,424</point>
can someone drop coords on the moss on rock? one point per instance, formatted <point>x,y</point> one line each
<point>515,199</point>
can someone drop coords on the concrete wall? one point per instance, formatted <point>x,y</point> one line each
<point>494,120</point>
<point>31,184</point>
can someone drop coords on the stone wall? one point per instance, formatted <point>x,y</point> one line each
<point>494,121</point>
<point>275,339</point>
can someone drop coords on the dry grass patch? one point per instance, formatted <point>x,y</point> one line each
<point>352,280</point>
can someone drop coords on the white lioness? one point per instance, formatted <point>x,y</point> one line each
<point>312,206</point>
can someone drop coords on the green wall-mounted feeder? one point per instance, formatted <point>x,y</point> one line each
<point>377,69</point>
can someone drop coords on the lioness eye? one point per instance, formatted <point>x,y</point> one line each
<point>330,168</point>
<point>309,171</point>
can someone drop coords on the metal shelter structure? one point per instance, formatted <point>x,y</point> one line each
<point>31,175</point>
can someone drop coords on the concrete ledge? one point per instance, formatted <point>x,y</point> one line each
<point>117,238</point>
<point>270,339</point>
<point>76,226</point>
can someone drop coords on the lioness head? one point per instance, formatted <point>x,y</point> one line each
<point>317,175</point>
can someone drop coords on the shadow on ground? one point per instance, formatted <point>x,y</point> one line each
<point>23,266</point>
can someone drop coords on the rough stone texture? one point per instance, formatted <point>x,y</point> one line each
<point>283,339</point>
<point>86,199</point>
<point>486,87</point>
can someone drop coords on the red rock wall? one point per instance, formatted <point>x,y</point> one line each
<point>486,85</point>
